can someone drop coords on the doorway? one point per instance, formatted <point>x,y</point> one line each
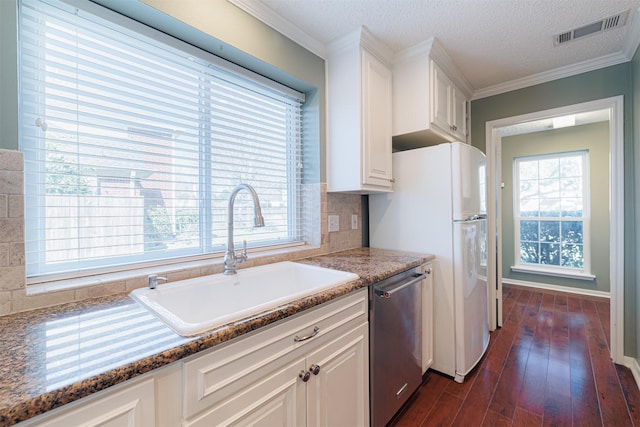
<point>495,129</point>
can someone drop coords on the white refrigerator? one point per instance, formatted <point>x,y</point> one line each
<point>439,207</point>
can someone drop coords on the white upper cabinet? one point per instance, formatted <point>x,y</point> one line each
<point>359,115</point>
<point>459,113</point>
<point>430,98</point>
<point>448,105</point>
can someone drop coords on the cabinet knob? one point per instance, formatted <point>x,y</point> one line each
<point>428,271</point>
<point>315,369</point>
<point>305,375</point>
<point>392,180</point>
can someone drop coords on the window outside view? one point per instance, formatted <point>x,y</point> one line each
<point>551,212</point>
<point>132,148</point>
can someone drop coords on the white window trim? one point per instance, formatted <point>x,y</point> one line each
<point>583,273</point>
<point>46,284</point>
<point>551,271</point>
<point>100,276</point>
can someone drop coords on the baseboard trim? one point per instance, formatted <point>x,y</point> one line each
<point>633,365</point>
<point>550,287</point>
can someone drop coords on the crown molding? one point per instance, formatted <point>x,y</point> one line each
<point>375,46</point>
<point>416,51</point>
<point>555,74</point>
<point>632,41</point>
<point>361,36</point>
<point>283,26</point>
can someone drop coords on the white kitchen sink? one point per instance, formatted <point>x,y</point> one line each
<point>194,306</point>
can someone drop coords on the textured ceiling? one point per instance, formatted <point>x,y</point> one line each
<point>491,41</point>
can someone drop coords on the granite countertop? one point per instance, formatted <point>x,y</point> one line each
<point>57,355</point>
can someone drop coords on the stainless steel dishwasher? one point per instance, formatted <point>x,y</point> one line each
<point>395,343</point>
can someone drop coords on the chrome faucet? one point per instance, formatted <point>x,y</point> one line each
<point>231,259</point>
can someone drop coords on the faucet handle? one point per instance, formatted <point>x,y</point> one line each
<point>153,280</point>
<point>243,257</point>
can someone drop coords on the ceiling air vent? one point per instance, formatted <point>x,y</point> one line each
<point>605,24</point>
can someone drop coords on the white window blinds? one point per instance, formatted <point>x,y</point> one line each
<point>133,144</point>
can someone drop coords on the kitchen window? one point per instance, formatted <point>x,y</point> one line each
<point>133,141</point>
<point>551,214</point>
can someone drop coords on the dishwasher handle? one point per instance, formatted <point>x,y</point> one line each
<point>386,293</point>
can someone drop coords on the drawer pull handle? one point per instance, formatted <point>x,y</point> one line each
<point>315,332</point>
<point>305,375</point>
<point>315,369</point>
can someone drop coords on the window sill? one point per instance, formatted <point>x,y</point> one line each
<point>552,272</point>
<point>180,270</point>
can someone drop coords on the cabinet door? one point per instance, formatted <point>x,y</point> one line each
<point>440,96</point>
<point>132,406</point>
<point>427,318</point>
<point>458,114</point>
<point>277,399</point>
<point>376,122</point>
<point>338,394</point>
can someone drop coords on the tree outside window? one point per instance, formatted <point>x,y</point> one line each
<point>551,210</point>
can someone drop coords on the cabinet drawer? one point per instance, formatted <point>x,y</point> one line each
<point>237,364</point>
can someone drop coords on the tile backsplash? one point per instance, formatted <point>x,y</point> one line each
<point>13,289</point>
<point>12,263</point>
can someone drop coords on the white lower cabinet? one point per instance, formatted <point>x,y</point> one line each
<point>151,400</point>
<point>277,399</point>
<point>312,370</point>
<point>328,387</point>
<point>128,406</point>
<point>338,394</point>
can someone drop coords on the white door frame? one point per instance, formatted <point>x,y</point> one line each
<point>615,105</point>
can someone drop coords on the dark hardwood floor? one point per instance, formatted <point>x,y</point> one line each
<point>548,365</point>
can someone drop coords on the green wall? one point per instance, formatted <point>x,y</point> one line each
<point>591,137</point>
<point>224,30</point>
<point>635,295</point>
<point>603,83</point>
<point>8,76</point>
<point>598,84</point>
